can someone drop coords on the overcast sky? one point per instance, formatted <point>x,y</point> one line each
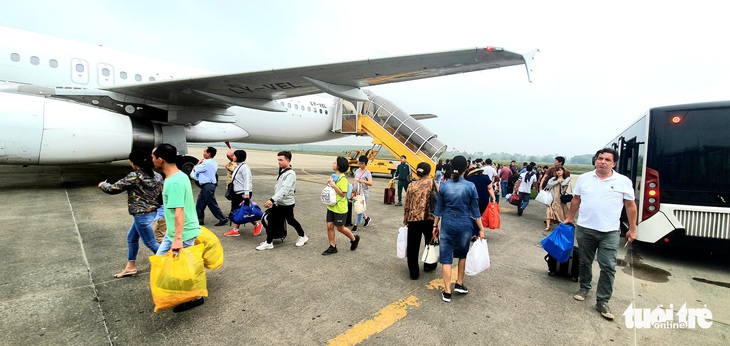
<point>600,67</point>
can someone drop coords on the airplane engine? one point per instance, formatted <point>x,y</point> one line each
<point>38,130</point>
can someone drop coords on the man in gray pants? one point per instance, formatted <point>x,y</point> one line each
<point>601,195</point>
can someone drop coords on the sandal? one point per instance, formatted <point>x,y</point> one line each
<point>547,229</point>
<point>125,274</point>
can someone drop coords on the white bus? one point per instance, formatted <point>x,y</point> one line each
<point>678,158</point>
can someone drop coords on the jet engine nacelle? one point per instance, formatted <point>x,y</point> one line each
<point>39,130</point>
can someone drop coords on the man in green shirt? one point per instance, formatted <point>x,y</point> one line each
<point>177,198</point>
<point>403,174</point>
<point>337,213</point>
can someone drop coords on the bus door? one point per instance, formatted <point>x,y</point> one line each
<point>628,165</point>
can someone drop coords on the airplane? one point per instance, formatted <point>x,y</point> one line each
<point>67,102</point>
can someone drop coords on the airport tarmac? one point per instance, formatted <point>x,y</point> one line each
<point>63,239</point>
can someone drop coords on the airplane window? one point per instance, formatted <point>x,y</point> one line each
<point>282,104</point>
<point>152,79</point>
<point>53,63</point>
<point>79,68</point>
<point>34,60</point>
<point>123,75</point>
<point>296,106</point>
<point>105,72</point>
<point>309,109</point>
<point>325,112</point>
<point>320,111</point>
<point>138,78</point>
<point>288,105</point>
<point>15,57</point>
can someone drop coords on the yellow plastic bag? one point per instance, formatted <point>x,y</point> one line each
<point>213,252</point>
<point>391,183</point>
<point>174,281</point>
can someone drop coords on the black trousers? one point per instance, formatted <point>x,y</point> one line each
<point>413,246</point>
<point>285,212</point>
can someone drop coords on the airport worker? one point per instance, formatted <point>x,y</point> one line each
<point>457,207</point>
<point>418,217</point>
<point>364,178</point>
<point>205,173</point>
<point>600,196</point>
<point>283,200</point>
<point>403,175</point>
<point>524,188</point>
<point>242,192</point>
<point>180,216</point>
<point>337,213</point>
<point>144,192</point>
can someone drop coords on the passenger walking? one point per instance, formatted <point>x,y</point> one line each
<point>418,217</point>
<point>524,188</point>
<point>336,213</point>
<point>483,184</point>
<point>144,196</point>
<point>205,172</point>
<point>363,178</point>
<point>282,202</point>
<point>242,192</point>
<point>504,174</point>
<point>600,196</point>
<point>558,185</point>
<point>404,176</point>
<point>457,207</point>
<point>439,171</point>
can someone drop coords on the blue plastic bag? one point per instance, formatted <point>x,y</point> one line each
<point>559,244</point>
<point>247,213</point>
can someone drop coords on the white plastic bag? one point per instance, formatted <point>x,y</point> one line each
<point>329,195</point>
<point>544,197</point>
<point>401,242</point>
<point>477,260</point>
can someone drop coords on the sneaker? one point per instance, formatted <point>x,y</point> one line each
<point>519,211</point>
<point>399,204</point>
<point>367,221</point>
<point>330,250</point>
<point>301,240</point>
<point>265,246</point>
<point>353,244</point>
<point>257,229</point>
<point>188,305</point>
<point>445,296</point>
<point>222,222</point>
<point>581,294</point>
<point>232,233</point>
<point>461,288</point>
<point>354,228</point>
<point>604,310</point>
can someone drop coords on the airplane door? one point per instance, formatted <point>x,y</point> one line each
<point>106,75</point>
<point>79,71</point>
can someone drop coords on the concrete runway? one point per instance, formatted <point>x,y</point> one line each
<point>63,239</point>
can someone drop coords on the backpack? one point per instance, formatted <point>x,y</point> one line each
<point>329,196</point>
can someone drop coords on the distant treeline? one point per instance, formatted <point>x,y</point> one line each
<point>342,149</point>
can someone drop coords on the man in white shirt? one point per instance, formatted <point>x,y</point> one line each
<point>601,195</point>
<point>491,172</point>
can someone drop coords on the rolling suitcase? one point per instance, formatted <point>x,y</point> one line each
<point>567,269</point>
<point>274,224</point>
<point>389,197</point>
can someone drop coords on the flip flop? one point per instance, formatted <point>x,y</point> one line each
<point>125,274</point>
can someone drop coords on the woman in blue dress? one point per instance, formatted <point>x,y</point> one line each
<point>457,208</point>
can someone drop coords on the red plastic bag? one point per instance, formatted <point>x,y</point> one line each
<point>493,212</point>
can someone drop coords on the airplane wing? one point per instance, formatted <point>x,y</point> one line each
<point>259,89</point>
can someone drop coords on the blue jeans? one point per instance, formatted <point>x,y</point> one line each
<point>207,198</point>
<point>141,228</point>
<point>605,245</point>
<point>360,217</point>
<point>503,186</point>
<point>167,244</point>
<point>525,197</point>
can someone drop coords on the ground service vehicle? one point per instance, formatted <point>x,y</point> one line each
<point>374,165</point>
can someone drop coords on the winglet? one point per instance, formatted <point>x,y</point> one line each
<point>528,58</point>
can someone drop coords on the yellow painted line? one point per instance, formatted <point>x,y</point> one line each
<point>382,320</point>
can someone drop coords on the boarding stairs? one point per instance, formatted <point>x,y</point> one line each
<point>391,127</point>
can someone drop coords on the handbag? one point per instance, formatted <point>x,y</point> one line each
<point>247,213</point>
<point>566,198</point>
<point>431,252</point>
<point>477,259</point>
<point>515,200</point>
<point>433,197</point>
<point>359,206</point>
<point>229,192</point>
<point>544,197</point>
<point>401,242</point>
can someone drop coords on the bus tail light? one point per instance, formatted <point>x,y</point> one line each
<point>652,197</point>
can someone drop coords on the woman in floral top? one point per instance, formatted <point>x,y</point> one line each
<point>417,216</point>
<point>144,189</point>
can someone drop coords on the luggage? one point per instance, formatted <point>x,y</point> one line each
<point>515,200</point>
<point>389,197</point>
<point>274,224</point>
<point>247,213</point>
<point>567,269</point>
